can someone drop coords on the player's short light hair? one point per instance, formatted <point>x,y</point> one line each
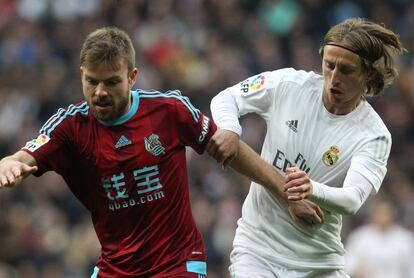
<point>106,45</point>
<point>374,44</point>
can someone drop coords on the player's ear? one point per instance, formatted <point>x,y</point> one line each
<point>81,71</point>
<point>132,78</point>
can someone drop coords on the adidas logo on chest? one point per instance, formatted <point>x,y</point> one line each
<point>293,125</point>
<point>122,142</point>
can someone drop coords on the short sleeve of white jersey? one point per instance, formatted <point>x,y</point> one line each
<point>255,94</point>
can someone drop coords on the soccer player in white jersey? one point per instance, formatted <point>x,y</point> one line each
<point>323,137</point>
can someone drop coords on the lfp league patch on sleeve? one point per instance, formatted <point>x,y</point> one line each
<point>253,84</point>
<point>257,82</point>
<point>33,145</point>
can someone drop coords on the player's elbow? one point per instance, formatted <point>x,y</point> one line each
<point>351,208</point>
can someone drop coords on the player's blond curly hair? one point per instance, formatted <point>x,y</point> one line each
<point>374,44</point>
<point>106,45</point>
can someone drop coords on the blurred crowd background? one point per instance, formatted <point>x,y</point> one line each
<point>199,47</point>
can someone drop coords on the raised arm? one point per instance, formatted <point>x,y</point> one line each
<point>16,167</point>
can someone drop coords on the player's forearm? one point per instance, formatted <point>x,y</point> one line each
<point>346,200</point>
<point>21,156</point>
<point>250,164</point>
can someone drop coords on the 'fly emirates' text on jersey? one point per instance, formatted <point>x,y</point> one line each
<point>302,133</point>
<point>131,174</point>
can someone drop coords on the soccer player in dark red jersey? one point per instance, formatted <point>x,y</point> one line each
<point>122,153</point>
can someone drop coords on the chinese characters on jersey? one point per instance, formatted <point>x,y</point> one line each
<point>147,184</point>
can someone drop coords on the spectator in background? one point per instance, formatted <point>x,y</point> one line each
<point>381,248</point>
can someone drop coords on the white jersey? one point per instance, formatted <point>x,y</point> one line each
<point>302,133</point>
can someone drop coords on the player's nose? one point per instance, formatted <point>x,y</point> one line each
<point>335,78</point>
<point>100,89</point>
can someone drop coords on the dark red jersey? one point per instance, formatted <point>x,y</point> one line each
<point>131,174</point>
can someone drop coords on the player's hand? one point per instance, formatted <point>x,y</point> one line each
<point>298,185</point>
<point>223,146</point>
<point>306,213</point>
<point>12,172</point>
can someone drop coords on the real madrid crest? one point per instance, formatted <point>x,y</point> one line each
<point>330,157</point>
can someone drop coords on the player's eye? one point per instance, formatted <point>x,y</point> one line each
<point>346,70</point>
<point>92,81</point>
<point>111,82</point>
<point>330,65</point>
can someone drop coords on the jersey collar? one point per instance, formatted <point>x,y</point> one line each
<point>124,118</point>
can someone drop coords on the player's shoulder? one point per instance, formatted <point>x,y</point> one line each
<point>295,84</point>
<point>80,108</point>
<point>168,97</point>
<point>75,112</point>
<point>293,75</point>
<point>299,83</point>
<point>65,116</point>
<point>371,121</point>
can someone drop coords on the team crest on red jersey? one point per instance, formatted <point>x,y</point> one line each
<point>153,145</point>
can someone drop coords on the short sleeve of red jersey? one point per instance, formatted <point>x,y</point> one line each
<point>194,128</point>
<point>51,148</point>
